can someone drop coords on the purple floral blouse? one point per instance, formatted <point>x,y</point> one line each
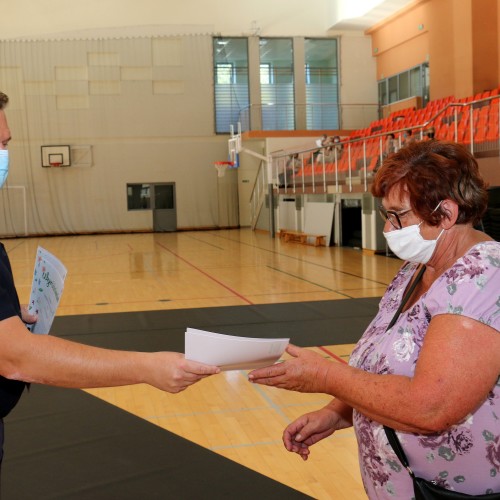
<point>466,457</point>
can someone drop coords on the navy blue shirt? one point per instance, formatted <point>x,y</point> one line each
<point>10,390</point>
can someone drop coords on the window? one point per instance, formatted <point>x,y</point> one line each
<point>321,78</point>
<point>230,58</point>
<point>138,197</point>
<point>276,84</point>
<point>410,83</point>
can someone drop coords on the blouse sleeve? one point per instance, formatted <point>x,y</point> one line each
<point>471,287</point>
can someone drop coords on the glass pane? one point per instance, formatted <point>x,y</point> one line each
<point>322,95</point>
<point>382,93</point>
<point>231,83</point>
<point>224,73</point>
<point>277,89</point>
<point>415,82</point>
<point>265,74</point>
<point>321,53</point>
<point>164,196</point>
<point>138,197</point>
<point>404,85</point>
<point>393,89</point>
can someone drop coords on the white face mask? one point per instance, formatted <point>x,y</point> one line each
<point>407,243</point>
<point>4,165</point>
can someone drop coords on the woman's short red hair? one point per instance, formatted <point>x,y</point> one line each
<point>431,171</point>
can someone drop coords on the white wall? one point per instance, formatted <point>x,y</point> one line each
<point>144,105</point>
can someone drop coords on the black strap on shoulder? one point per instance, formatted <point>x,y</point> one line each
<point>406,296</point>
<point>390,433</point>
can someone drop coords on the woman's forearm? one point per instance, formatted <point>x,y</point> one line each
<point>343,409</point>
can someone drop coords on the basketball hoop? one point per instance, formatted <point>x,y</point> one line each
<point>55,164</point>
<point>222,166</point>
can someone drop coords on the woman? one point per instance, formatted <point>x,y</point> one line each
<point>434,376</point>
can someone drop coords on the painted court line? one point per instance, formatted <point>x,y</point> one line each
<point>234,292</point>
<point>299,259</point>
<point>330,353</point>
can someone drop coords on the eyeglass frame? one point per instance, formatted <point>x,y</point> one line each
<point>385,214</point>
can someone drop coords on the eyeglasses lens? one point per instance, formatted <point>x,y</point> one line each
<point>392,217</point>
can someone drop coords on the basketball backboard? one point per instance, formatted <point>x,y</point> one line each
<point>234,145</point>
<point>56,156</point>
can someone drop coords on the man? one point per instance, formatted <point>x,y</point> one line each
<point>26,357</point>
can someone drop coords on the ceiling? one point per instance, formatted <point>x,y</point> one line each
<point>362,14</point>
<point>348,15</point>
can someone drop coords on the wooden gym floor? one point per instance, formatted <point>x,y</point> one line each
<point>225,413</point>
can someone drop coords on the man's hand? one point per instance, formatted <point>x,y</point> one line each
<point>171,372</point>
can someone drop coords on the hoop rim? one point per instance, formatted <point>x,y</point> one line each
<point>227,163</point>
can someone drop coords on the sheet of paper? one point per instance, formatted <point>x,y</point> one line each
<point>46,290</point>
<point>230,352</point>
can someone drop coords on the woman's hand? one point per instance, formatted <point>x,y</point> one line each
<point>311,428</point>
<point>307,371</point>
<point>171,372</point>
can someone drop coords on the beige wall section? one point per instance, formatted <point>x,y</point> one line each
<point>403,56</point>
<point>458,48</point>
<point>485,44</point>
<point>401,41</point>
<point>498,44</point>
<point>358,89</point>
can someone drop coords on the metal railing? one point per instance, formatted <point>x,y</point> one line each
<point>474,123</point>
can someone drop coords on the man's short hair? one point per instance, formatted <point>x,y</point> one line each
<point>4,99</point>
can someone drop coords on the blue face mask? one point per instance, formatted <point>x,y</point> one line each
<point>4,166</point>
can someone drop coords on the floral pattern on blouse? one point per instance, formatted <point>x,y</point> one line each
<point>466,457</point>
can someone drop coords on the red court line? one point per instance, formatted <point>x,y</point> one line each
<point>331,354</point>
<point>206,274</point>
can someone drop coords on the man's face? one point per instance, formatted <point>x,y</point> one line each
<point>4,131</point>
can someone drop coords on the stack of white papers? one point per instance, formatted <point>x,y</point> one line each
<point>46,290</point>
<point>230,352</point>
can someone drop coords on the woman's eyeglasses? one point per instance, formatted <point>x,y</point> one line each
<point>393,217</point>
